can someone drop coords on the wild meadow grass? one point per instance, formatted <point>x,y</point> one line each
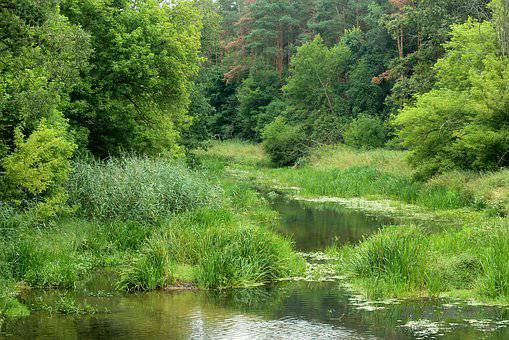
<point>157,224</point>
<point>343,157</point>
<point>346,172</point>
<point>231,246</point>
<point>236,152</point>
<point>367,181</point>
<point>134,188</point>
<point>468,261</point>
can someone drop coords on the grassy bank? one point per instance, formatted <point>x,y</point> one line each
<point>463,254</point>
<point>155,224</point>
<point>340,171</point>
<point>470,262</point>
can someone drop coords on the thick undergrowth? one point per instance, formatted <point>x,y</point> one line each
<point>463,253</point>
<point>137,189</point>
<point>155,224</point>
<point>468,261</point>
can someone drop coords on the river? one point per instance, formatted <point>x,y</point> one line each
<point>288,310</point>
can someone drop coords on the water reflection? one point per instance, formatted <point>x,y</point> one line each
<point>291,310</point>
<point>317,226</point>
<point>294,310</point>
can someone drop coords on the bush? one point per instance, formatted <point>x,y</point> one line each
<point>284,143</point>
<point>37,170</point>
<point>366,132</point>
<point>137,189</point>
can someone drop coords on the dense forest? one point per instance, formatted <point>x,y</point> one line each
<point>109,110</point>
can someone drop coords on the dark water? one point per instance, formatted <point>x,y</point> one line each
<point>291,310</point>
<point>315,227</point>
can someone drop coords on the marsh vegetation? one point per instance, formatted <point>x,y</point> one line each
<point>160,142</point>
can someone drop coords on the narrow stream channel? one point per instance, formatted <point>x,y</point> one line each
<point>290,310</point>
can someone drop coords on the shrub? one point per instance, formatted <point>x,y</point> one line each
<point>284,143</point>
<point>38,169</point>
<point>366,132</point>
<point>138,189</point>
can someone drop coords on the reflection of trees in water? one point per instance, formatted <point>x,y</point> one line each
<point>316,226</point>
<point>302,304</point>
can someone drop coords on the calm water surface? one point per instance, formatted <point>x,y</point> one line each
<point>292,310</point>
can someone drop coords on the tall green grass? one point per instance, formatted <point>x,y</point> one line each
<point>366,181</point>
<point>495,267</point>
<point>62,255</point>
<point>138,189</point>
<point>344,171</point>
<point>394,257</point>
<point>469,261</point>
<point>216,248</point>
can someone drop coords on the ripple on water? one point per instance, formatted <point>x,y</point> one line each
<point>249,327</point>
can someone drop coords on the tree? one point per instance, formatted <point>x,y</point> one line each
<point>464,123</point>
<point>317,76</point>
<point>143,66</point>
<point>316,89</point>
<point>42,57</point>
<point>254,95</point>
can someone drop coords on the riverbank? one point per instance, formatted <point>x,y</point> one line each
<point>458,247</point>
<point>154,224</point>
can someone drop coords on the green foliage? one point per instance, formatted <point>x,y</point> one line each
<point>247,256</point>
<point>138,189</point>
<point>67,305</point>
<point>218,253</point>
<point>501,19</point>
<point>395,257</point>
<point>402,261</point>
<point>138,87</point>
<point>365,132</point>
<point>314,75</point>
<point>284,143</point>
<point>9,305</point>
<point>424,27</point>
<point>463,123</point>
<point>42,57</point>
<point>150,269</point>
<point>46,259</point>
<point>39,167</point>
<point>255,94</point>
<point>495,269</point>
